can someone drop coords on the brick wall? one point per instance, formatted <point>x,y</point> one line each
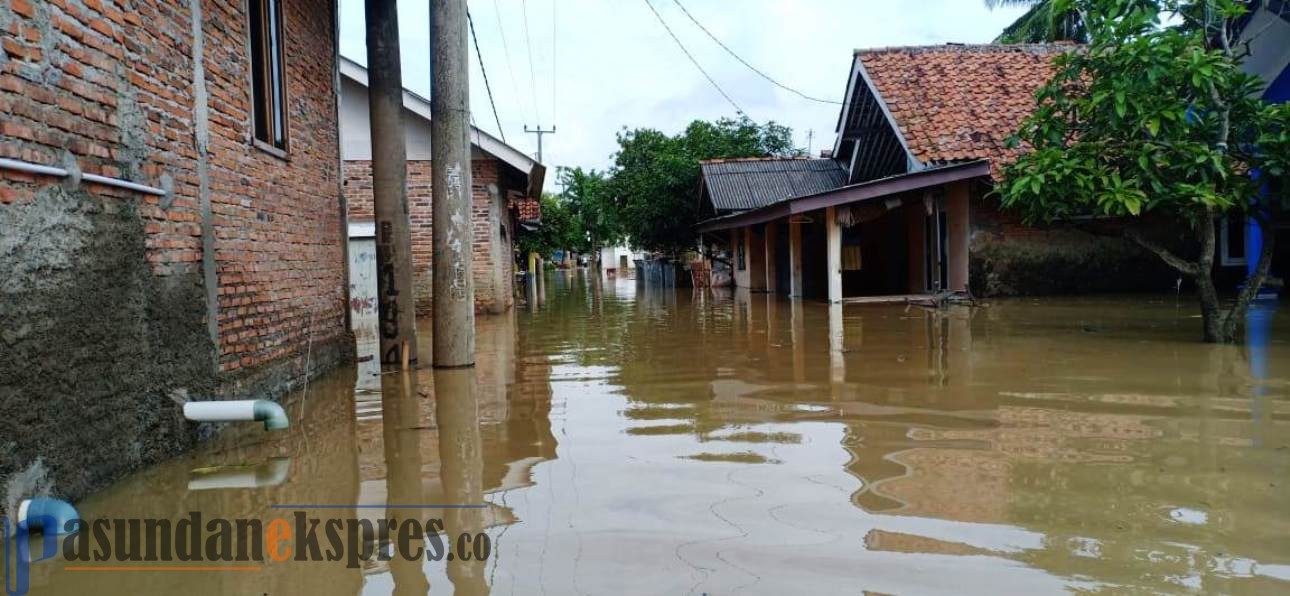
<point>111,296</point>
<point>493,287</point>
<point>1010,258</point>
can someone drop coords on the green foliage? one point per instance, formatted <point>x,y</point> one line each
<point>589,199</point>
<point>1042,22</point>
<point>1157,119</point>
<point>1147,119</point>
<point>557,231</point>
<point>656,177</point>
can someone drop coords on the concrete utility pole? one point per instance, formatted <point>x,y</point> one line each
<point>389,184</point>
<point>539,132</point>
<point>454,287</point>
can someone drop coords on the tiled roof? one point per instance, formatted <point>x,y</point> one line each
<point>960,102</point>
<point>741,184</point>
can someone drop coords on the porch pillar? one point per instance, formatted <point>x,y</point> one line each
<point>755,257</point>
<point>771,238</point>
<point>834,269</point>
<point>956,237</point>
<point>794,259</point>
<point>916,221</point>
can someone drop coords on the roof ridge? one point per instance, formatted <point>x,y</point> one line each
<point>767,158</point>
<point>971,47</point>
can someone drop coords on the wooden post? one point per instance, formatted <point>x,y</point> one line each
<point>453,236</point>
<point>795,259</point>
<point>398,322</point>
<point>771,238</point>
<point>834,235</point>
<point>956,237</point>
<point>755,255</point>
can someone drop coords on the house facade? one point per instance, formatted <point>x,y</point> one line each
<point>921,139</point>
<point>173,223</point>
<point>506,187</point>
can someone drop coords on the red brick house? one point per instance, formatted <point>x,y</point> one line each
<point>171,221</point>
<point>506,186</point>
<point>921,138</point>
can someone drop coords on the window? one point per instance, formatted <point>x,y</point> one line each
<point>1231,240</point>
<point>268,87</point>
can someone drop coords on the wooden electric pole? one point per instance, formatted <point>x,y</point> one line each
<point>454,288</point>
<point>389,184</point>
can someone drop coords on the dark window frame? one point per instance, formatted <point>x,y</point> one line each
<point>266,54</point>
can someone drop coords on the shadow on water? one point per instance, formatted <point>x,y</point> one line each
<point>625,440</point>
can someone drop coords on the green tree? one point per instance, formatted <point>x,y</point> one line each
<point>558,231</point>
<point>1157,120</point>
<point>588,196</point>
<point>656,176</point>
<point>1042,22</point>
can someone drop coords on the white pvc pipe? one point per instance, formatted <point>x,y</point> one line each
<point>263,410</point>
<point>31,168</point>
<point>220,411</point>
<point>119,183</point>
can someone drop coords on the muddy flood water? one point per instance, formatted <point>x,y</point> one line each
<point>673,442</point>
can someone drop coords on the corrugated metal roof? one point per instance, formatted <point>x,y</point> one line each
<point>742,184</point>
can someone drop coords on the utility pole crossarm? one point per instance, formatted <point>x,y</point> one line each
<point>539,132</point>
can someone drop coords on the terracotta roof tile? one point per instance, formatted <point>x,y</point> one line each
<point>960,102</point>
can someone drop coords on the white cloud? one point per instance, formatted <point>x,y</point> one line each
<point>616,66</point>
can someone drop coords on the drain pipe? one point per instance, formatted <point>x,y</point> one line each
<point>34,513</point>
<point>259,410</point>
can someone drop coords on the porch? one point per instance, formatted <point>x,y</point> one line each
<point>895,239</point>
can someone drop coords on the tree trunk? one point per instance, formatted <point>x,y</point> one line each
<point>1210,307</point>
<point>1254,283</point>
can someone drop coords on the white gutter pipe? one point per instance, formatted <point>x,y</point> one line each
<point>270,473</point>
<point>259,410</point>
<point>33,168</point>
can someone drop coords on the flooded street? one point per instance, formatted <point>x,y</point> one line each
<point>674,442</point>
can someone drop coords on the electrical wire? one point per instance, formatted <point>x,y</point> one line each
<point>554,38</point>
<point>738,110</point>
<point>506,51</point>
<point>745,62</point>
<point>487,87</point>
<point>528,42</point>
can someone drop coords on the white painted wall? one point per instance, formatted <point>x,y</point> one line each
<point>356,129</point>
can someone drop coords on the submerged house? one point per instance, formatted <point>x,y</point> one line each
<point>172,224</point>
<point>900,206</point>
<point>507,187</point>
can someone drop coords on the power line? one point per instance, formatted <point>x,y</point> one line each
<point>745,62</point>
<point>723,93</point>
<point>506,51</point>
<point>554,37</point>
<point>528,42</point>
<point>487,86</point>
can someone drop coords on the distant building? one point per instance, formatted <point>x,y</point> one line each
<point>507,186</point>
<point>900,207</point>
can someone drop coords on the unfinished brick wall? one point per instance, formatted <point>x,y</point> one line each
<point>115,298</point>
<point>493,286</point>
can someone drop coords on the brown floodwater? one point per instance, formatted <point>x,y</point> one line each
<point>666,441</point>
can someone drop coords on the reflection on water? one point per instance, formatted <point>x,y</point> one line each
<point>631,441</point>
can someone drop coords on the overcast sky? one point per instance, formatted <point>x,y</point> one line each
<point>599,65</point>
